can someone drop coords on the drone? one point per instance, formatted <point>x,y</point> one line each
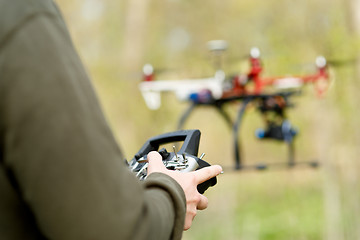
<point>270,95</point>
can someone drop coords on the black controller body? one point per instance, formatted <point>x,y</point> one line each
<point>185,160</point>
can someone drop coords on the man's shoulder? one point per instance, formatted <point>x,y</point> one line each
<point>14,13</point>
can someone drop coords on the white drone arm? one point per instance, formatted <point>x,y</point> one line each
<point>182,88</point>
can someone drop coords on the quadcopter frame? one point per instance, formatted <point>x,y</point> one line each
<point>281,131</point>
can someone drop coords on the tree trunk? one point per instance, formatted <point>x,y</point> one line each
<point>134,34</point>
<point>352,176</point>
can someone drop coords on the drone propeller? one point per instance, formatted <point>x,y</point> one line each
<point>147,68</point>
<point>217,46</point>
<point>342,63</point>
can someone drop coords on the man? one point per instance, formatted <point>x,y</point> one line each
<point>61,172</point>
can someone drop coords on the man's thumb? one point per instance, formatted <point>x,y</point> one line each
<point>155,162</point>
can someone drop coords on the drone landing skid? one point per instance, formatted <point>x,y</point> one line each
<point>276,165</point>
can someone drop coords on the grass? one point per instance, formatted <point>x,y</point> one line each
<point>268,205</point>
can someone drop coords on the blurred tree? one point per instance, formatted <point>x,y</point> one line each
<point>353,10</point>
<point>353,20</point>
<point>134,33</point>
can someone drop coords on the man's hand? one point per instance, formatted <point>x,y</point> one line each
<point>188,181</point>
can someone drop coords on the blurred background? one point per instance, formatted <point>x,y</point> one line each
<point>116,38</point>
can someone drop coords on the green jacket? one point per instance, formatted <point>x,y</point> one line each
<point>61,172</point>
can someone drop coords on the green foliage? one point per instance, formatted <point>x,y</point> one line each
<point>297,204</point>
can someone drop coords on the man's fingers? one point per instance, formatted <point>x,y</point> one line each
<point>188,221</point>
<point>203,203</point>
<point>155,162</point>
<point>206,173</point>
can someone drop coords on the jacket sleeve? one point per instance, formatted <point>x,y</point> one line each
<point>62,154</point>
